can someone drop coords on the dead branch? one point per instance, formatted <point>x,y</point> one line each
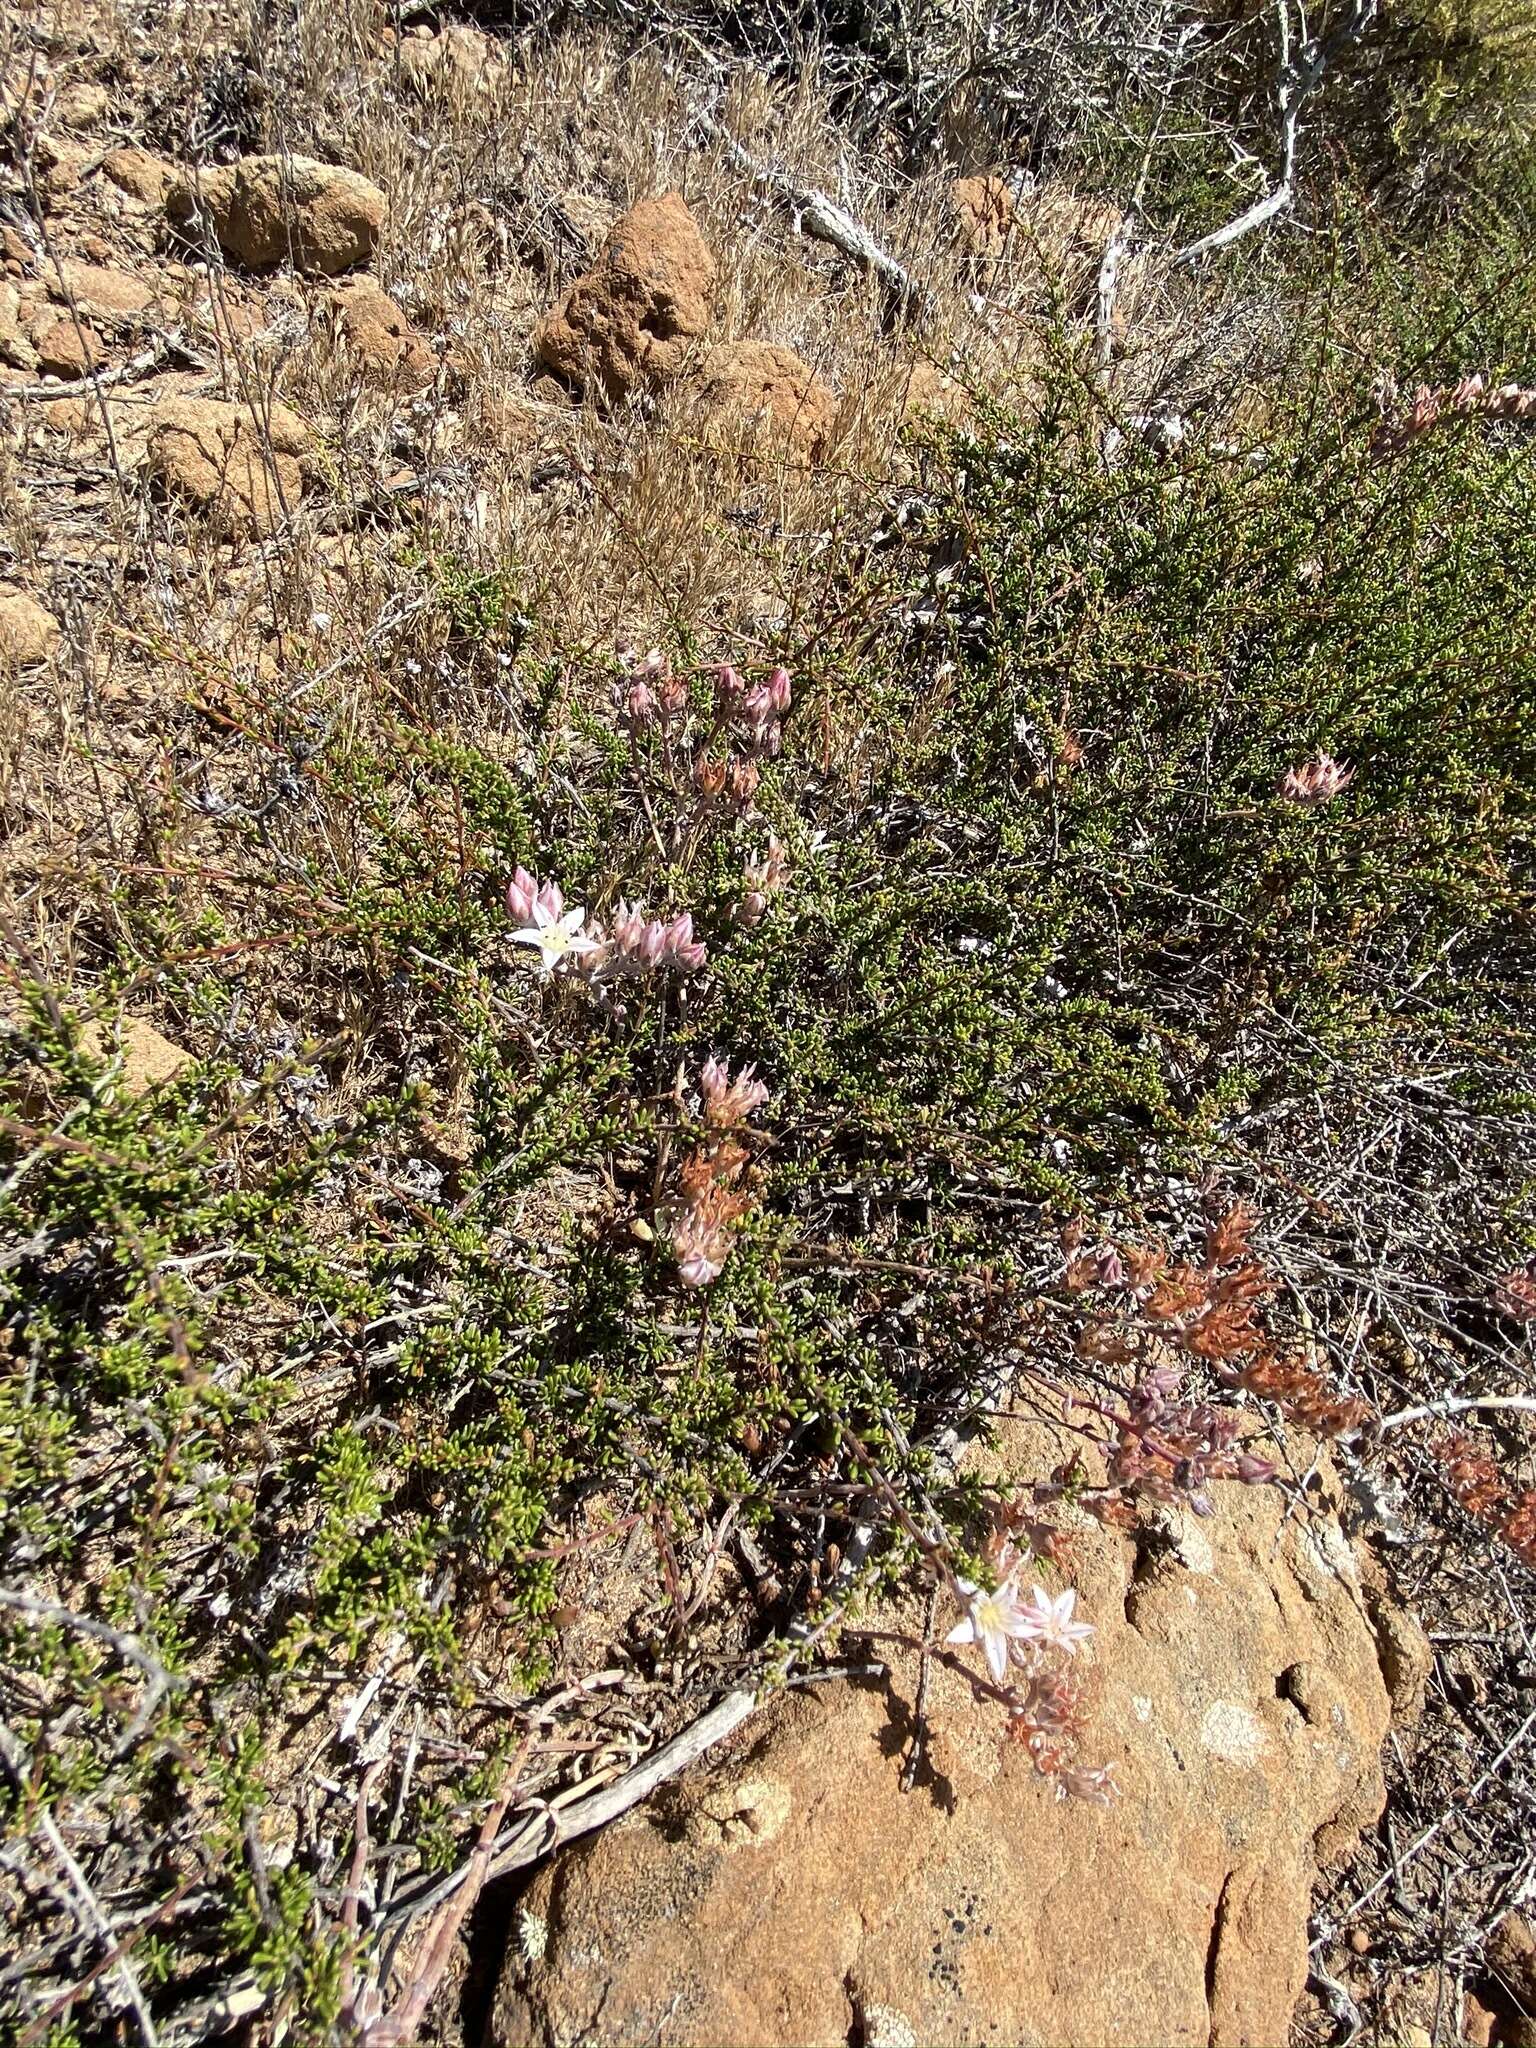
<point>1296,84</point>
<point>825,221</point>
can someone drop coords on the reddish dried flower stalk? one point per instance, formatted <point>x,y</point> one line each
<point>1480,1486</point>
<point>1514,1294</point>
<point>1471,396</point>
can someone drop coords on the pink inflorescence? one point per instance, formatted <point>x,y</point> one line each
<point>1315,781</point>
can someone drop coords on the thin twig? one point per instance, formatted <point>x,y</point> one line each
<point>93,1912</point>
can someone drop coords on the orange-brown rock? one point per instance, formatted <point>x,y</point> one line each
<point>985,211</point>
<point>65,347</point>
<point>29,632</point>
<point>388,349</point>
<point>245,474</point>
<point>1512,1957</point>
<point>144,1058</point>
<point>633,320</point>
<point>105,293</point>
<point>139,175</point>
<point>768,393</point>
<point>930,391</point>
<point>793,1896</point>
<point>267,210</point>
<point>15,254</point>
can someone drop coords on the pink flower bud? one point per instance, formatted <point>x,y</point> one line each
<point>779,691</point>
<point>639,704</point>
<point>1254,1471</point>
<point>521,891</point>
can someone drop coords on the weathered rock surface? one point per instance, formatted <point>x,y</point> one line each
<point>457,59</point>
<point>633,319</point>
<point>246,474</point>
<point>389,350</point>
<point>769,391</point>
<point>985,211</point>
<point>105,293</point>
<point>267,210</point>
<point>145,1057</point>
<point>17,315</point>
<point>65,347</point>
<point>139,175</point>
<point>793,1895</point>
<point>29,632</point>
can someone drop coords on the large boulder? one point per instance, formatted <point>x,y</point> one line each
<point>791,1895</point>
<point>769,394</point>
<point>244,473</point>
<point>267,210</point>
<point>633,320</point>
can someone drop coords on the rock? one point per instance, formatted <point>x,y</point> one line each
<point>458,56</point>
<point>246,474</point>
<point>929,391</point>
<point>792,1894</point>
<point>16,318</point>
<point>771,393</point>
<point>63,166</point>
<point>84,105</point>
<point>632,320</point>
<point>139,175</point>
<point>267,210</point>
<point>15,253</point>
<point>103,292</point>
<point>1477,2023</point>
<point>985,211</point>
<point>65,347</point>
<point>1512,1956</point>
<point>29,633</point>
<point>148,1058</point>
<point>389,349</point>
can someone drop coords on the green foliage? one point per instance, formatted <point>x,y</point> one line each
<point>320,1360</point>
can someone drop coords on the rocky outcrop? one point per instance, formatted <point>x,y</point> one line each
<point>267,210</point>
<point>243,473</point>
<point>633,320</point>
<point>793,1895</point>
<point>388,349</point>
<point>766,392</point>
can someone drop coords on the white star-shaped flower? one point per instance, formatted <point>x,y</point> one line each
<point>557,934</point>
<point>991,1619</point>
<point>1050,1621</point>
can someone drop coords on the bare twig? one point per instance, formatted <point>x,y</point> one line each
<point>825,221</point>
<point>93,1913</point>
